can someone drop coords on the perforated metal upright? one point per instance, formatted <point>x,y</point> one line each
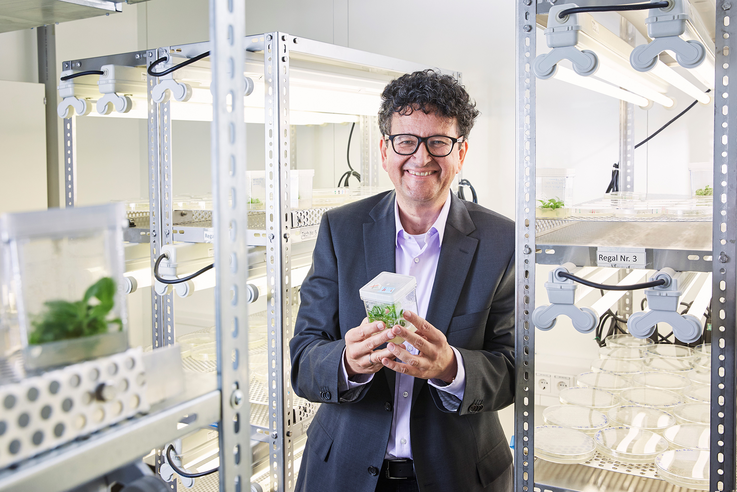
<point>723,466</point>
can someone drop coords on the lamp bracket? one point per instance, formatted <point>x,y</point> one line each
<point>108,102</point>
<point>562,36</point>
<point>168,86</point>
<point>665,26</point>
<point>69,105</point>
<point>562,294</point>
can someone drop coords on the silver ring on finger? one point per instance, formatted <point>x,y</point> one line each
<point>371,362</point>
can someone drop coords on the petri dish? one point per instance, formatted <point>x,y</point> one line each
<point>589,397</point>
<point>700,394</point>
<point>606,381</point>
<point>624,353</point>
<point>196,339</point>
<point>627,341</point>
<point>651,397</point>
<point>630,444</point>
<point>695,436</point>
<point>661,380</point>
<point>562,445</point>
<point>703,349</point>
<point>667,364</point>
<point>652,419</point>
<point>698,376</point>
<point>206,352</point>
<point>670,351</point>
<point>687,468</point>
<point>693,413</point>
<point>617,366</point>
<point>582,419</point>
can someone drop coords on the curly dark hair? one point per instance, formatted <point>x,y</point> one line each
<point>431,92</point>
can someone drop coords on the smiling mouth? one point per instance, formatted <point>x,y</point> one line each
<point>420,173</point>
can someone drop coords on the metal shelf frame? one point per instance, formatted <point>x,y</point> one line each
<point>723,466</point>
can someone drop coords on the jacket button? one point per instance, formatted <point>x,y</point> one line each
<point>373,471</point>
<point>388,407</point>
<point>326,395</point>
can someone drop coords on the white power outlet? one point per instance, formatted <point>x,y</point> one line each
<point>560,382</point>
<point>543,384</point>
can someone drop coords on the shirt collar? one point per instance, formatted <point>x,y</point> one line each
<point>438,225</point>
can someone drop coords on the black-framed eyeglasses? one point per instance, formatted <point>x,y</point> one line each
<point>436,145</point>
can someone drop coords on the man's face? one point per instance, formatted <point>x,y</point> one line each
<point>420,179</point>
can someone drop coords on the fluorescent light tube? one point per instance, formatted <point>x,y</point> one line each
<point>596,85</point>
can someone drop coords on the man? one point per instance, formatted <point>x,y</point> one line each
<point>422,415</point>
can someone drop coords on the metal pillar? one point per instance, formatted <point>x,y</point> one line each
<point>230,223</point>
<point>46,37</point>
<point>724,288</point>
<point>524,421</point>
<point>279,308</point>
<point>370,136</point>
<point>627,126</point>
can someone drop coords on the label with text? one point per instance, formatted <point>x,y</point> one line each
<point>621,257</point>
<point>209,235</point>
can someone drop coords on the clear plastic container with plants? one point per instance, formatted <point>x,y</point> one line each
<point>62,274</point>
<point>552,208</point>
<point>387,296</point>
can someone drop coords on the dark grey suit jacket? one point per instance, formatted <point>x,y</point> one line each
<point>472,303</point>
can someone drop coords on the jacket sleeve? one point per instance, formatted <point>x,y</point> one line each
<point>317,345</point>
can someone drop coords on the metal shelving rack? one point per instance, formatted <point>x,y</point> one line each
<point>720,254</point>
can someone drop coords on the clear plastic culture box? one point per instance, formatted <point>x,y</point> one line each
<point>387,297</point>
<point>63,270</point>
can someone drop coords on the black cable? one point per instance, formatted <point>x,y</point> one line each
<point>177,280</point>
<point>465,182</point>
<point>81,74</point>
<point>183,473</point>
<point>594,285</point>
<point>150,69</point>
<point>614,183</point>
<point>613,8</point>
<point>671,121</point>
<point>352,171</point>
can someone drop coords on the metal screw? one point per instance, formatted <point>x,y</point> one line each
<point>527,28</point>
<point>236,399</point>
<point>528,2</point>
<point>271,237</point>
<point>552,1</point>
<point>274,435</point>
<point>150,53</point>
<point>723,257</point>
<point>289,433</point>
<point>77,64</point>
<point>153,233</point>
<point>138,56</point>
<point>527,250</point>
<point>726,6</point>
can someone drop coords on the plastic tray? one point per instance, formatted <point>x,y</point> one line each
<point>561,445</point>
<point>606,381</point>
<point>652,419</point>
<point>582,419</point>
<point>627,341</point>
<point>630,444</point>
<point>661,380</point>
<point>687,468</point>
<point>693,413</point>
<point>695,436</point>
<point>651,397</point>
<point>700,394</point>
<point>616,366</point>
<point>589,397</point>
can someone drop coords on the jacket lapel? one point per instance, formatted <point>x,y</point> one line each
<point>456,254</point>
<point>379,243</point>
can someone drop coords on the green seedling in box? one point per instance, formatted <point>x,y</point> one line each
<point>388,314</point>
<point>63,320</point>
<point>705,191</point>
<point>552,204</point>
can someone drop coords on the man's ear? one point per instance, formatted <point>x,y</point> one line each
<point>383,150</point>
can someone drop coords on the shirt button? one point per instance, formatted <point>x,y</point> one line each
<point>403,441</point>
<point>417,260</point>
<point>405,394</point>
<point>388,407</point>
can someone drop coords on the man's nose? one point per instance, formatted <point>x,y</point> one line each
<point>422,155</point>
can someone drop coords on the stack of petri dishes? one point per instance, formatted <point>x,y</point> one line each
<point>693,413</point>
<point>669,358</point>
<point>563,445</point>
<point>630,444</point>
<point>687,468</point>
<point>587,420</point>
<point>651,397</point>
<point>617,366</point>
<point>651,419</point>
<point>589,397</point>
<point>698,394</point>
<point>694,436</point>
<point>661,380</point>
<point>604,381</point>
<point>625,340</point>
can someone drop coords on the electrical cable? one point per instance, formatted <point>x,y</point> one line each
<point>613,8</point>
<point>183,473</point>
<point>671,121</point>
<point>461,194</point>
<point>177,280</point>
<point>614,183</point>
<point>346,175</point>
<point>594,285</point>
<point>81,74</point>
<point>150,69</point>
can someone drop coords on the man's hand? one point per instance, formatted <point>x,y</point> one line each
<point>436,359</point>
<point>360,344</point>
